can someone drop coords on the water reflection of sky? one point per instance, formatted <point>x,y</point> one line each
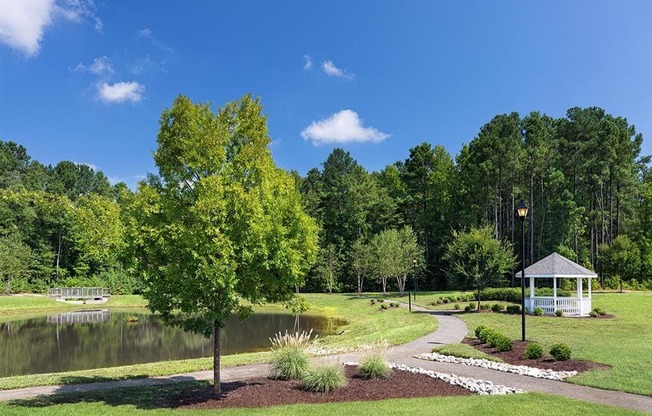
<point>100,338</point>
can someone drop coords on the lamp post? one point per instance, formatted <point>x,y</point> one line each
<point>521,210</point>
<point>414,276</point>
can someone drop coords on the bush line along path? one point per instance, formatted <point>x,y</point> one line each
<point>451,330</point>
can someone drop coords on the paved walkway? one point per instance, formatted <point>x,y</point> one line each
<point>451,330</point>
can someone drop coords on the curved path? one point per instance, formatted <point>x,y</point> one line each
<point>451,330</point>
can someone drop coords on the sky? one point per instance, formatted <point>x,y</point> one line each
<point>86,81</point>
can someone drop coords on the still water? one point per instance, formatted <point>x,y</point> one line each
<point>94,339</point>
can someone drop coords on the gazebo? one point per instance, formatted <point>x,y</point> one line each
<point>553,267</point>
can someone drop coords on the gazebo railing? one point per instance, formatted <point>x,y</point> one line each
<point>79,292</point>
<point>569,305</point>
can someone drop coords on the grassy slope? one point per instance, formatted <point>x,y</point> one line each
<point>366,324</point>
<point>624,342</point>
<point>144,401</point>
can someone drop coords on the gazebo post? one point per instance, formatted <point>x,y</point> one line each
<point>579,295</point>
<point>531,294</point>
<point>554,294</point>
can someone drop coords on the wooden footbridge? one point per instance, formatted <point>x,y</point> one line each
<point>81,293</point>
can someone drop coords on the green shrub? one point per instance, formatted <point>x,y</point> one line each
<point>289,364</point>
<point>372,301</point>
<point>538,311</point>
<point>503,343</point>
<point>485,306</point>
<point>560,352</point>
<point>439,301</point>
<point>373,364</point>
<point>533,351</point>
<point>479,330</point>
<point>451,298</point>
<point>599,311</point>
<point>485,334</point>
<point>468,308</point>
<point>324,378</point>
<point>383,306</point>
<point>380,300</point>
<point>513,309</point>
<point>496,307</point>
<point>559,312</point>
<point>445,300</point>
<point>457,306</point>
<point>593,314</point>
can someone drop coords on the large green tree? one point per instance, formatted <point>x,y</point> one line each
<point>476,259</point>
<point>226,228</point>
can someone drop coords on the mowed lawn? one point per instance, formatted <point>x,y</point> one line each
<point>623,342</point>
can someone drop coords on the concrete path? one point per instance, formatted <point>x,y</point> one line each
<point>451,330</point>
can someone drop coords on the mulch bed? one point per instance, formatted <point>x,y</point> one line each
<point>515,357</point>
<point>263,392</point>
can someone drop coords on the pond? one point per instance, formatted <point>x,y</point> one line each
<point>103,338</point>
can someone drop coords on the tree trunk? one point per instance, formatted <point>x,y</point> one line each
<point>478,299</point>
<point>217,350</point>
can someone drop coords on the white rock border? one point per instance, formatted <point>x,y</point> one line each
<point>474,385</point>
<point>504,367</point>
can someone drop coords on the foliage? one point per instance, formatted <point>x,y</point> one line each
<point>533,351</point>
<point>559,312</point>
<point>496,307</point>
<point>537,311</point>
<point>513,309</point>
<point>477,260</point>
<point>373,364</point>
<point>226,226</point>
<point>560,352</point>
<point>324,378</point>
<point>15,260</point>
<point>396,255</point>
<point>621,259</point>
<point>289,363</point>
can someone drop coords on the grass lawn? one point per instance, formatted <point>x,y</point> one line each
<point>145,401</point>
<point>365,324</point>
<point>624,342</point>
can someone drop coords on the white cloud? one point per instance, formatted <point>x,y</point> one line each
<point>331,70</point>
<point>23,22</point>
<point>342,127</point>
<point>121,92</point>
<point>308,62</point>
<point>141,65</point>
<point>100,66</point>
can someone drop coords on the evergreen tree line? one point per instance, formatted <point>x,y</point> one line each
<point>588,189</point>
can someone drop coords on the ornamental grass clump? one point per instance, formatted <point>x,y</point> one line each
<point>289,358</point>
<point>324,378</point>
<point>374,361</point>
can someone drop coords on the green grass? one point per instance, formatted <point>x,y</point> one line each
<point>365,325</point>
<point>145,401</point>
<point>14,306</point>
<point>464,351</point>
<point>624,342</point>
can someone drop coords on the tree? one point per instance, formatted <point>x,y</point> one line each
<point>226,226</point>
<point>15,259</point>
<point>621,258</point>
<point>395,252</point>
<point>328,264</point>
<point>361,259</point>
<point>477,260</point>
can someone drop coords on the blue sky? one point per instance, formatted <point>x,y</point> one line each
<point>87,81</point>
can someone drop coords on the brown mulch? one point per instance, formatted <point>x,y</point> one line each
<point>515,357</point>
<point>262,391</point>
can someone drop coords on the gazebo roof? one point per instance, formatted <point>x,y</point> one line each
<point>556,265</point>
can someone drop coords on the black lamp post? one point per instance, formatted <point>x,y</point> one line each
<point>414,276</point>
<point>521,210</point>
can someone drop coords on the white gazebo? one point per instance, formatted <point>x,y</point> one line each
<point>553,267</point>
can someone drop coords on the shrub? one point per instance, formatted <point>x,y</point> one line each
<point>496,307</point>
<point>380,300</point>
<point>559,312</point>
<point>600,311</point>
<point>485,306</point>
<point>457,306</point>
<point>372,301</point>
<point>560,352</point>
<point>533,351</point>
<point>445,300</point>
<point>513,309</point>
<point>485,334</point>
<point>468,308</point>
<point>439,301</point>
<point>479,329</point>
<point>503,343</point>
<point>451,298</point>
<point>383,306</point>
<point>472,305</point>
<point>289,364</point>
<point>538,311</point>
<point>374,361</point>
<point>593,314</point>
<point>289,359</point>
<point>324,378</point>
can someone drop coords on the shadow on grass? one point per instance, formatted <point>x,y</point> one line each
<point>177,391</point>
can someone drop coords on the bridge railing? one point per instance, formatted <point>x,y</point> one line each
<point>79,292</point>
